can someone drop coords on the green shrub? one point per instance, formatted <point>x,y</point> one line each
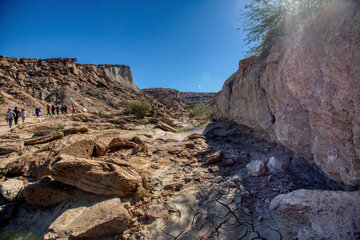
<point>59,128</point>
<point>138,108</point>
<point>267,20</point>
<point>200,111</point>
<point>123,103</point>
<point>3,171</point>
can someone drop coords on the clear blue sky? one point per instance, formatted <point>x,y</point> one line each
<point>190,45</point>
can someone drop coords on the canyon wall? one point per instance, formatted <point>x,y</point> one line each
<point>192,98</point>
<point>29,83</point>
<point>168,97</point>
<point>306,94</point>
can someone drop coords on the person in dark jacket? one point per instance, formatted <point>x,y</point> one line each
<point>17,114</point>
<point>53,110</point>
<point>65,109</point>
<point>57,109</point>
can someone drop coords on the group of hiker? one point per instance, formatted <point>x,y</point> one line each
<point>56,109</point>
<point>13,115</point>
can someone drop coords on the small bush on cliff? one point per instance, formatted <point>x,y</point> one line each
<point>200,111</point>
<point>138,108</point>
<point>267,20</point>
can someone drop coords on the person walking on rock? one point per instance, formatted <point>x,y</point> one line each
<point>23,115</point>
<point>65,109</point>
<point>10,115</point>
<point>37,111</point>
<point>73,109</point>
<point>48,109</point>
<point>57,109</point>
<point>17,114</point>
<point>53,110</point>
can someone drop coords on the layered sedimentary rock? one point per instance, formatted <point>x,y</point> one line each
<point>192,98</point>
<point>168,97</point>
<point>305,94</point>
<point>31,83</point>
<point>95,176</point>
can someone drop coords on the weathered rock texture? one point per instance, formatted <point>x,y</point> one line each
<point>98,220</point>
<point>305,95</point>
<point>166,96</point>
<point>191,98</point>
<point>314,214</point>
<point>95,176</point>
<point>35,82</point>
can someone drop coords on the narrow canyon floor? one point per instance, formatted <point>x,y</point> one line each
<point>196,179</point>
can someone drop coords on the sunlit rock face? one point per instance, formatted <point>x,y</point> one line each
<point>306,94</point>
<point>91,88</point>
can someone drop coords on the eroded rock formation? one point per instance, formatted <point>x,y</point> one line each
<point>35,82</point>
<point>305,94</point>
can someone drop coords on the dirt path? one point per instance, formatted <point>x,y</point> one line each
<point>4,127</point>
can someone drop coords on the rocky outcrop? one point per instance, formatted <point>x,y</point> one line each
<point>34,83</point>
<point>46,194</point>
<point>11,146</point>
<point>168,97</point>
<point>97,177</point>
<point>305,94</point>
<point>213,157</point>
<point>164,126</point>
<point>43,139</point>
<point>314,214</point>
<point>192,98</point>
<point>101,219</point>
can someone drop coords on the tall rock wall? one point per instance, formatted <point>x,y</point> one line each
<point>29,83</point>
<point>306,94</point>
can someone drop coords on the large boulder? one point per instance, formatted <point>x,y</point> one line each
<point>10,189</point>
<point>117,143</point>
<point>97,177</point>
<point>74,130</point>
<point>43,139</point>
<point>165,126</point>
<point>213,157</point>
<point>315,214</point>
<point>30,165</point>
<point>97,220</point>
<point>11,146</point>
<point>46,194</point>
<point>80,146</point>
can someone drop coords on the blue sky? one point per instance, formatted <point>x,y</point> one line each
<point>190,45</point>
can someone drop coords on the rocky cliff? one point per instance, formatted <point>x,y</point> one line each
<point>192,98</point>
<point>305,94</point>
<point>166,96</point>
<point>35,82</point>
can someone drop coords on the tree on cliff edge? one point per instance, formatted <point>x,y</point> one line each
<point>267,20</point>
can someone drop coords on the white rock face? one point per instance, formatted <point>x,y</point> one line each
<point>11,188</point>
<point>305,95</point>
<point>315,214</point>
<point>121,75</point>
